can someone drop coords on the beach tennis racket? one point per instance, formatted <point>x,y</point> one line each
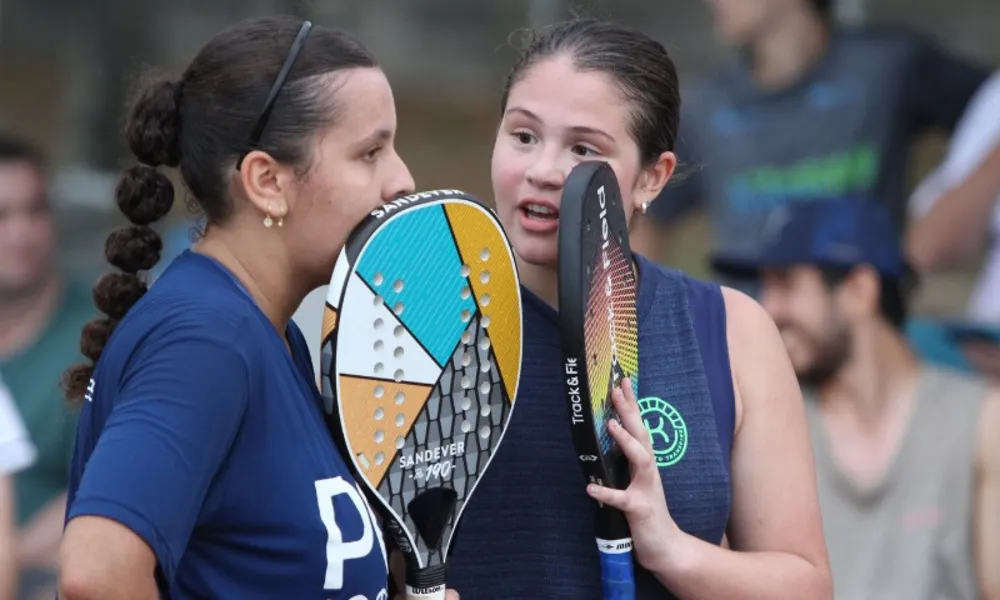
<point>597,321</point>
<point>421,358</point>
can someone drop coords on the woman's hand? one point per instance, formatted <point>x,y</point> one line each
<point>397,571</point>
<point>643,502</point>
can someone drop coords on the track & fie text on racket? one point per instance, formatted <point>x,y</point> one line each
<point>573,389</point>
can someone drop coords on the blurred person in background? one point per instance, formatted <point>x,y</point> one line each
<point>41,313</point>
<point>809,110</point>
<point>956,216</point>
<point>16,454</point>
<point>907,455</point>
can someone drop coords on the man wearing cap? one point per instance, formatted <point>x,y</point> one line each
<point>907,454</point>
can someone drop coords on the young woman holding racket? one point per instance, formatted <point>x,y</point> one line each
<point>718,445</point>
<point>203,465</point>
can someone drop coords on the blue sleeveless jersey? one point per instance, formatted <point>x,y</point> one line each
<point>205,437</point>
<point>529,531</point>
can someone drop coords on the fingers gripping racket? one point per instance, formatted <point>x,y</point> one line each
<point>421,359</point>
<point>597,319</point>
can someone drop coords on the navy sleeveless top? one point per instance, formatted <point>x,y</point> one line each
<point>529,531</point>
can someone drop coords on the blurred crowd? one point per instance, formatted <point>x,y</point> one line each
<point>798,153</point>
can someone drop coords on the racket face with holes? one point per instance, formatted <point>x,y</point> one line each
<point>597,314</point>
<point>421,359</point>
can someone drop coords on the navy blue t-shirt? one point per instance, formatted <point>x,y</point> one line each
<point>204,436</point>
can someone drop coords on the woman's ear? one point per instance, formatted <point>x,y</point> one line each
<point>652,180</point>
<point>266,183</point>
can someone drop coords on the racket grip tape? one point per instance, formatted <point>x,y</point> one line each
<point>426,584</point>
<point>425,593</point>
<point>617,574</point>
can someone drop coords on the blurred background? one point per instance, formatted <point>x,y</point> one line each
<point>67,67</point>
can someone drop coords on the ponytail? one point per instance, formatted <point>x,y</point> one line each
<point>144,195</point>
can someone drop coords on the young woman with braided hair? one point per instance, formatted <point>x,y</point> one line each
<point>203,466</point>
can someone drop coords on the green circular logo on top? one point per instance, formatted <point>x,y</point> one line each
<point>666,429</point>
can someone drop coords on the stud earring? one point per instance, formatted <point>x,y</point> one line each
<point>281,218</point>
<point>644,207</point>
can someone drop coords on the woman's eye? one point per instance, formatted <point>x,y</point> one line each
<point>524,137</point>
<point>584,150</point>
<point>372,154</point>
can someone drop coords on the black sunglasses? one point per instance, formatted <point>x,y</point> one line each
<point>272,96</point>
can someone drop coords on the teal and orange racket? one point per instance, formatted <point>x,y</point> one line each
<point>421,358</point>
<point>600,343</point>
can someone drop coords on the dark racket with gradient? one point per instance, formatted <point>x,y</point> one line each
<point>421,358</point>
<point>597,320</point>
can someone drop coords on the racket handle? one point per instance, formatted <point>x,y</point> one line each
<point>617,575</point>
<point>425,593</point>
<point>426,584</point>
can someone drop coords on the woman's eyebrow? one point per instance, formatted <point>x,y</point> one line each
<point>575,129</point>
<point>380,136</point>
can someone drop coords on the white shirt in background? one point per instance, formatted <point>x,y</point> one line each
<point>309,318</point>
<point>976,135</point>
<point>16,450</point>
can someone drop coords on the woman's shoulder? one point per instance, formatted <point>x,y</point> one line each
<point>746,317</point>
<point>752,336</point>
<point>700,292</point>
<point>757,353</point>
<point>741,313</point>
<point>189,303</point>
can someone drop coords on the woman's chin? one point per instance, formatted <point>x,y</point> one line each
<point>536,254</point>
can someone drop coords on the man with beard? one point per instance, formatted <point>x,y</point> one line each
<point>41,314</point>
<point>907,455</point>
